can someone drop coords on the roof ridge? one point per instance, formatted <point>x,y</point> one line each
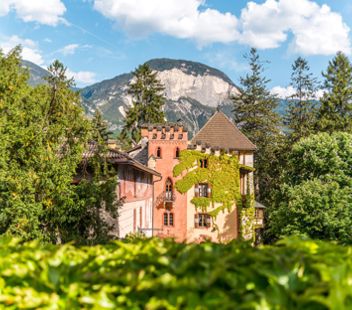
<point>220,131</point>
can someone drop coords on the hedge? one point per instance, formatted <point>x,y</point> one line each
<point>161,274</point>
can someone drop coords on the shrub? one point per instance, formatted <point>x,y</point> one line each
<point>161,274</point>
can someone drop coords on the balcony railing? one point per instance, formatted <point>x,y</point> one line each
<point>165,197</point>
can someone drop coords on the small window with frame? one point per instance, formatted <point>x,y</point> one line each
<point>202,220</point>
<point>203,163</point>
<point>158,152</point>
<point>168,219</point>
<point>177,152</point>
<point>203,190</point>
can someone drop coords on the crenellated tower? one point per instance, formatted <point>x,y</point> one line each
<point>165,142</point>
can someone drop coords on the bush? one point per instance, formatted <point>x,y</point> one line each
<point>161,274</point>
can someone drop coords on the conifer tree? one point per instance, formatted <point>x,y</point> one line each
<point>254,113</point>
<point>300,117</point>
<point>148,102</point>
<point>100,128</point>
<point>335,113</point>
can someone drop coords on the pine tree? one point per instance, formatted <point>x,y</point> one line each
<point>300,116</point>
<point>335,113</point>
<point>254,113</point>
<point>101,130</point>
<point>148,102</point>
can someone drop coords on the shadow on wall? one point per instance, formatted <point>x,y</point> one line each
<point>230,229</point>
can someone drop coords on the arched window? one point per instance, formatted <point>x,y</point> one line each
<point>168,190</point>
<point>158,152</point>
<point>177,153</point>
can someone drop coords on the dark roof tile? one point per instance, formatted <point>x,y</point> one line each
<point>220,132</point>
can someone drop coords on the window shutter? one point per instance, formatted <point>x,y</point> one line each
<point>209,191</point>
<point>208,219</point>
<point>196,190</point>
<point>196,221</point>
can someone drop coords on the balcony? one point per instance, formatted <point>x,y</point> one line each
<point>165,199</point>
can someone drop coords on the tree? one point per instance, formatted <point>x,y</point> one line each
<point>316,197</point>
<point>101,130</point>
<point>300,117</point>
<point>316,209</point>
<point>254,113</point>
<point>335,113</point>
<point>43,133</point>
<point>148,102</point>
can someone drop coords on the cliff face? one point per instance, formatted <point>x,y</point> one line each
<point>193,92</point>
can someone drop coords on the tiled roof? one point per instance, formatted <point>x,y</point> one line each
<point>220,132</point>
<point>117,157</point>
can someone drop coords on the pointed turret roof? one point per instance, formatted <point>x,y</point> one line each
<point>220,132</point>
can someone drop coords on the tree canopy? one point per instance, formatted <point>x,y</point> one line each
<point>43,133</point>
<point>316,196</point>
<point>148,101</point>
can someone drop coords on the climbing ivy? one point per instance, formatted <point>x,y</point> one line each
<point>223,175</point>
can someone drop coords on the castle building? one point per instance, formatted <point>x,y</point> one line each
<point>193,212</point>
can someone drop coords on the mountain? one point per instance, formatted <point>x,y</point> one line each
<point>36,73</point>
<point>193,91</point>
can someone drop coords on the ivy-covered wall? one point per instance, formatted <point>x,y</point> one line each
<point>223,176</point>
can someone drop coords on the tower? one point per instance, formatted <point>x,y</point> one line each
<point>165,143</point>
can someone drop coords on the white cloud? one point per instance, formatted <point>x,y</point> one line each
<point>183,19</point>
<point>316,29</point>
<point>30,50</point>
<point>48,12</point>
<point>81,77</point>
<point>287,92</point>
<point>69,49</point>
<point>283,92</point>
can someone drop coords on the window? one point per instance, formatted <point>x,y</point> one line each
<point>202,220</point>
<point>172,136</point>
<point>168,190</point>
<point>203,163</point>
<point>177,153</point>
<point>202,190</point>
<point>180,136</point>
<point>168,219</point>
<point>158,152</point>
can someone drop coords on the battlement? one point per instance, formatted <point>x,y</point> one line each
<point>167,131</point>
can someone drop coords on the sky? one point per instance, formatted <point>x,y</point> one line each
<point>99,39</point>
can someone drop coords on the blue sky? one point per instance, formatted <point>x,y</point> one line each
<point>99,39</point>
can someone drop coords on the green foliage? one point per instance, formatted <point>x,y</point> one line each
<point>336,105</point>
<point>300,117</point>
<point>222,175</point>
<point>160,274</point>
<point>316,198</point>
<point>317,209</point>
<point>43,132</point>
<point>101,132</point>
<point>323,156</point>
<point>148,102</point>
<point>255,114</point>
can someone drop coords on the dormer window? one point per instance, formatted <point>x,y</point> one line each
<point>177,153</point>
<point>158,152</point>
<point>203,163</point>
